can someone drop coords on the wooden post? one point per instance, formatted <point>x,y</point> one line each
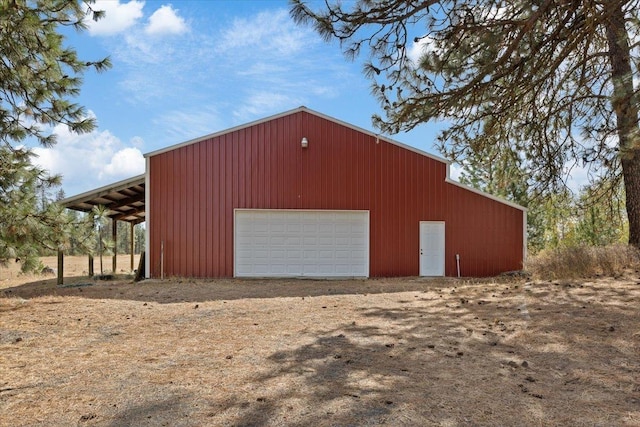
<point>140,273</point>
<point>132,245</point>
<point>60,267</point>
<point>114,238</point>
<point>90,265</point>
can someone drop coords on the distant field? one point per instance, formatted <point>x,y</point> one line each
<point>74,266</point>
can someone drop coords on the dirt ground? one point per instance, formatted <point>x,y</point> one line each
<point>398,352</point>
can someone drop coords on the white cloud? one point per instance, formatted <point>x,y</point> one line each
<point>165,20</point>
<point>261,69</point>
<point>118,17</point>
<point>577,176</point>
<point>265,52</point>
<point>455,171</point>
<point>266,60</point>
<point>419,48</point>
<point>126,162</point>
<point>137,142</point>
<point>155,66</point>
<point>262,103</point>
<point>89,160</point>
<point>183,125</point>
<point>271,32</point>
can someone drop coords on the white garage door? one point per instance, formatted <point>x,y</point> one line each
<point>296,243</point>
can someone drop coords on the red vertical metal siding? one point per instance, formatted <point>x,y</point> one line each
<point>195,189</point>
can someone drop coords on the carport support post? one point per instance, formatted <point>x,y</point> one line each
<point>114,237</point>
<point>93,226</point>
<point>90,265</point>
<point>60,267</point>
<point>131,236</point>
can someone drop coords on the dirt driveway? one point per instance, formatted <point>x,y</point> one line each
<point>395,352</point>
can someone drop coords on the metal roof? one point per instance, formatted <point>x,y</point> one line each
<point>288,113</point>
<point>124,199</point>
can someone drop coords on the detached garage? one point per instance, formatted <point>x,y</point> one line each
<point>301,194</point>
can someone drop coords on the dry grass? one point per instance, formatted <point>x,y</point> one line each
<point>321,353</point>
<point>75,269</point>
<point>583,262</point>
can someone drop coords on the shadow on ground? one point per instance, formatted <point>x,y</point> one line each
<point>443,352</point>
<point>503,359</point>
<point>186,290</point>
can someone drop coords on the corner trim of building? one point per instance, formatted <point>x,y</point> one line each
<point>147,206</point>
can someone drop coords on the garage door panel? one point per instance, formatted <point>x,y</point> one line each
<point>343,241</point>
<point>310,228</point>
<point>294,254</point>
<point>259,240</point>
<point>291,270</point>
<point>310,269</point>
<point>310,241</point>
<point>277,240</point>
<point>326,241</point>
<point>293,228</point>
<point>261,254</point>
<point>343,228</point>
<point>326,254</point>
<point>292,241</point>
<point>245,253</point>
<point>309,254</point>
<point>275,266</point>
<point>325,228</point>
<point>279,228</point>
<point>272,243</point>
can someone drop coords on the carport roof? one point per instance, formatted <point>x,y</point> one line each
<point>125,200</point>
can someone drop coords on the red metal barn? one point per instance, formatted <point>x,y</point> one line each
<point>303,194</point>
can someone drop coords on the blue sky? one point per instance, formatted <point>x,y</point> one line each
<point>188,68</point>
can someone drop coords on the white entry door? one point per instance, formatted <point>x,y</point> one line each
<point>431,248</point>
<point>301,243</point>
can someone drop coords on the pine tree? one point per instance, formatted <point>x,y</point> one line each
<point>500,171</point>
<point>29,222</point>
<point>551,80</point>
<point>39,76</point>
<point>594,217</point>
<point>602,220</point>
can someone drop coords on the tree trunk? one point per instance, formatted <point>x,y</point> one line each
<point>631,173</point>
<point>627,117</point>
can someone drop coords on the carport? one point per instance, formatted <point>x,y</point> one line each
<point>125,201</point>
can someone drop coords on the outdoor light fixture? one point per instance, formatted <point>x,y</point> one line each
<point>304,143</point>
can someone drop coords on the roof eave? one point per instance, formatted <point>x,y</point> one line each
<point>92,194</point>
